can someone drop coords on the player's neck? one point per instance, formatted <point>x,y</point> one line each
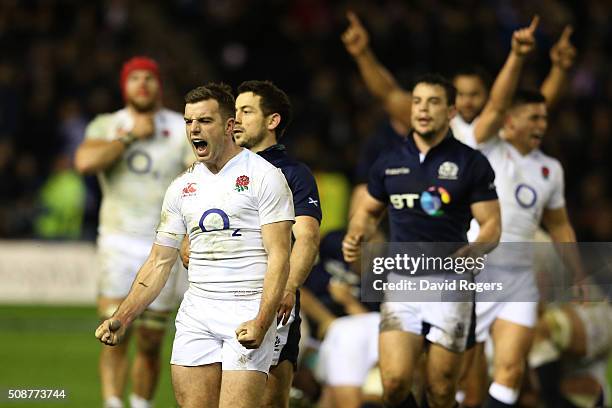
<point>230,152</point>
<point>523,149</point>
<point>131,109</point>
<point>425,144</point>
<point>269,140</point>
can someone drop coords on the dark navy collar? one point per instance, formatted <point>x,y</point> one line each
<point>442,144</point>
<point>274,148</point>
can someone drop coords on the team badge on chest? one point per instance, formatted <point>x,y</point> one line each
<point>448,171</point>
<point>545,172</point>
<point>242,183</point>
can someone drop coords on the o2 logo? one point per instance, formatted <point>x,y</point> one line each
<point>139,162</point>
<point>525,195</point>
<point>215,215</point>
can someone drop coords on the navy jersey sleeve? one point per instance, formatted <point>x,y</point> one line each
<point>483,180</point>
<point>305,192</point>
<point>376,181</point>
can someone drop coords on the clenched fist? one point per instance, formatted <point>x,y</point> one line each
<point>111,332</point>
<point>250,334</point>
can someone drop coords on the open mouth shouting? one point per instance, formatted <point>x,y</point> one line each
<point>201,146</point>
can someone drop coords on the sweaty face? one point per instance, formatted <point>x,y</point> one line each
<point>250,128</point>
<point>528,125</point>
<point>430,110</point>
<point>471,96</point>
<point>206,130</point>
<point>142,90</point>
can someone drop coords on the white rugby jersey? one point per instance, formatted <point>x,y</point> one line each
<point>133,188</point>
<point>223,214</point>
<point>526,185</point>
<point>464,131</point>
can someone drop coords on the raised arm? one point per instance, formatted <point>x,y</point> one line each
<point>277,243</point>
<point>504,87</point>
<point>562,56</point>
<point>94,155</point>
<point>303,254</point>
<point>379,81</point>
<point>147,285</point>
<point>362,226</point>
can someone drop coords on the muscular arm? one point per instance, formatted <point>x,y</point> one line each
<point>488,216</point>
<point>561,232</point>
<point>277,242</point>
<point>378,80</point>
<point>148,283</point>
<point>304,251</point>
<point>562,56</point>
<point>504,87</point>
<point>316,311</point>
<point>93,156</point>
<point>362,226</point>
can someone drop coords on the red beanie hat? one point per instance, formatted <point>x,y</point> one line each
<point>135,63</point>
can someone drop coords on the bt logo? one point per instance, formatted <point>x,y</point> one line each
<point>432,200</point>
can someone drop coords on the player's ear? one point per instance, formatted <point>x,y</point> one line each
<point>273,121</point>
<point>452,111</point>
<point>229,126</point>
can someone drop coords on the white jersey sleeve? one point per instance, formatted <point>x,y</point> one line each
<point>101,128</point>
<point>171,221</point>
<point>275,198</point>
<point>557,198</point>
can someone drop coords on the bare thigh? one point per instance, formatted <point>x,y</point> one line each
<point>242,389</point>
<point>197,386</point>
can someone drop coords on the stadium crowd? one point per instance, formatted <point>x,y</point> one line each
<point>60,61</point>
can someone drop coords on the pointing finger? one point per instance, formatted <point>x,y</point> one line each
<point>566,34</point>
<point>352,18</point>
<point>534,23</point>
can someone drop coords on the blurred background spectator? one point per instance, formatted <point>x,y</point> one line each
<point>61,59</point>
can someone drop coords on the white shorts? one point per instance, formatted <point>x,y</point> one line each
<point>521,313</point>
<point>206,334</point>
<point>444,323</point>
<point>120,258</point>
<point>597,321</point>
<point>282,334</point>
<point>349,350</point>
<point>517,303</point>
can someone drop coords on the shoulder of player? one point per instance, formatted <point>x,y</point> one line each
<point>171,115</point>
<point>546,161</point>
<point>187,175</point>
<point>107,116</point>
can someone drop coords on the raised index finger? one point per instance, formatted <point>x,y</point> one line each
<point>534,23</point>
<point>352,18</point>
<point>566,34</point>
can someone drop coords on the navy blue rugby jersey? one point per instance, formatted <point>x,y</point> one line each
<point>300,180</point>
<point>429,201</point>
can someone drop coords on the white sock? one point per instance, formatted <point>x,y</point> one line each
<point>113,402</point>
<point>503,394</point>
<point>460,396</point>
<point>139,402</point>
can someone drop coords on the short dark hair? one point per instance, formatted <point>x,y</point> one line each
<point>526,96</point>
<point>476,71</point>
<point>220,92</point>
<point>437,79</point>
<point>273,100</point>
